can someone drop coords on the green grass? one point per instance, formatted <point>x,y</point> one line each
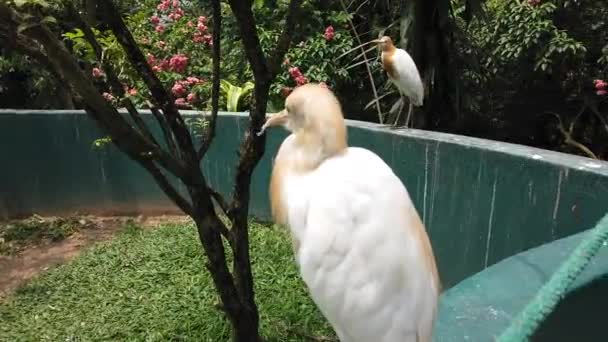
<point>151,285</point>
<point>17,234</point>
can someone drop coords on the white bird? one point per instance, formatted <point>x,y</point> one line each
<point>359,243</point>
<point>402,71</point>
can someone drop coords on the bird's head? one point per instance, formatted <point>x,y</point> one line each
<point>385,43</point>
<point>314,115</point>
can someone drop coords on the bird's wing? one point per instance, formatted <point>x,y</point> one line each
<point>409,78</point>
<point>362,253</point>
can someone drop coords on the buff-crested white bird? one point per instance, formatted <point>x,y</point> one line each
<point>402,71</point>
<point>359,243</point>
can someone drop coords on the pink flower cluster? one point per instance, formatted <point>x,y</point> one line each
<point>201,35</point>
<point>165,5</point>
<point>601,87</point>
<point>97,72</point>
<point>329,33</point>
<point>178,63</point>
<point>533,2</point>
<point>297,75</point>
<point>107,96</point>
<point>180,89</point>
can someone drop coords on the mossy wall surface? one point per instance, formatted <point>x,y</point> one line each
<point>481,200</point>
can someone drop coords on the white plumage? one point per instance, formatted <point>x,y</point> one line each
<point>403,73</point>
<point>360,245</point>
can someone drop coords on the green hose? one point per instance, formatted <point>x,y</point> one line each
<point>528,320</point>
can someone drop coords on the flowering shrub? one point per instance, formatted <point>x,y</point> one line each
<point>177,40</point>
<point>176,43</point>
<point>601,87</point>
<point>315,60</point>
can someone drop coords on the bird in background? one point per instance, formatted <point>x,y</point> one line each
<point>403,73</point>
<point>360,245</point>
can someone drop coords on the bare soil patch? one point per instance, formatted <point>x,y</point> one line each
<point>31,246</point>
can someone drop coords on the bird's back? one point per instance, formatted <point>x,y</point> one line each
<point>363,251</point>
<point>408,77</point>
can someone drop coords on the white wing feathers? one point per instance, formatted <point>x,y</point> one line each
<point>409,81</point>
<point>357,253</point>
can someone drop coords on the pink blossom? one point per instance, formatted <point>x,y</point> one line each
<point>192,98</point>
<point>164,64</point>
<point>329,33</point>
<point>132,92</point>
<point>178,63</point>
<point>176,3</point>
<point>601,92</point>
<point>155,20</point>
<point>533,2</point>
<point>164,5</point>
<point>201,27</point>
<point>202,19</point>
<point>295,72</point>
<point>190,23</point>
<point>177,14</point>
<point>156,68</point>
<point>193,80</point>
<point>107,96</point>
<point>160,28</point>
<point>151,59</point>
<point>600,84</point>
<point>285,91</point>
<point>301,80</point>
<point>198,37</point>
<point>97,72</point>
<point>180,101</point>
<point>178,90</point>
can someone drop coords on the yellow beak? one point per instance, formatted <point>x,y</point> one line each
<point>277,119</point>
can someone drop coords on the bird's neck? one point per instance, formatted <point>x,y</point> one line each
<point>310,149</point>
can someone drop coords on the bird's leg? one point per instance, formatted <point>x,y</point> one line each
<point>409,114</point>
<point>401,104</point>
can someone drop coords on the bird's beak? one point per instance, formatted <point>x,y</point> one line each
<point>277,119</point>
<point>376,41</point>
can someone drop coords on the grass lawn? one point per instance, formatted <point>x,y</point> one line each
<point>152,285</point>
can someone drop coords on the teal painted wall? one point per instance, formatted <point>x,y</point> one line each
<point>481,200</point>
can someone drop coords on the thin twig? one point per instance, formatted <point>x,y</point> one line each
<point>115,84</point>
<point>164,127</point>
<point>568,140</point>
<point>220,201</point>
<point>215,88</point>
<point>167,188</point>
<point>159,94</point>
<point>369,71</point>
<point>277,57</point>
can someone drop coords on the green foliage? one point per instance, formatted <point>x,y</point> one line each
<point>150,285</point>
<point>16,234</point>
<point>234,94</point>
<point>521,31</point>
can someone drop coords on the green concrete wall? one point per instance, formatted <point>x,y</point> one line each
<point>482,306</point>
<point>481,200</point>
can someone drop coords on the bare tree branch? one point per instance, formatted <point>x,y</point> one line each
<point>126,139</point>
<point>166,101</point>
<point>165,128</point>
<point>251,42</point>
<point>113,80</point>
<point>568,140</point>
<point>167,188</point>
<point>369,70</point>
<point>215,88</point>
<point>285,39</point>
